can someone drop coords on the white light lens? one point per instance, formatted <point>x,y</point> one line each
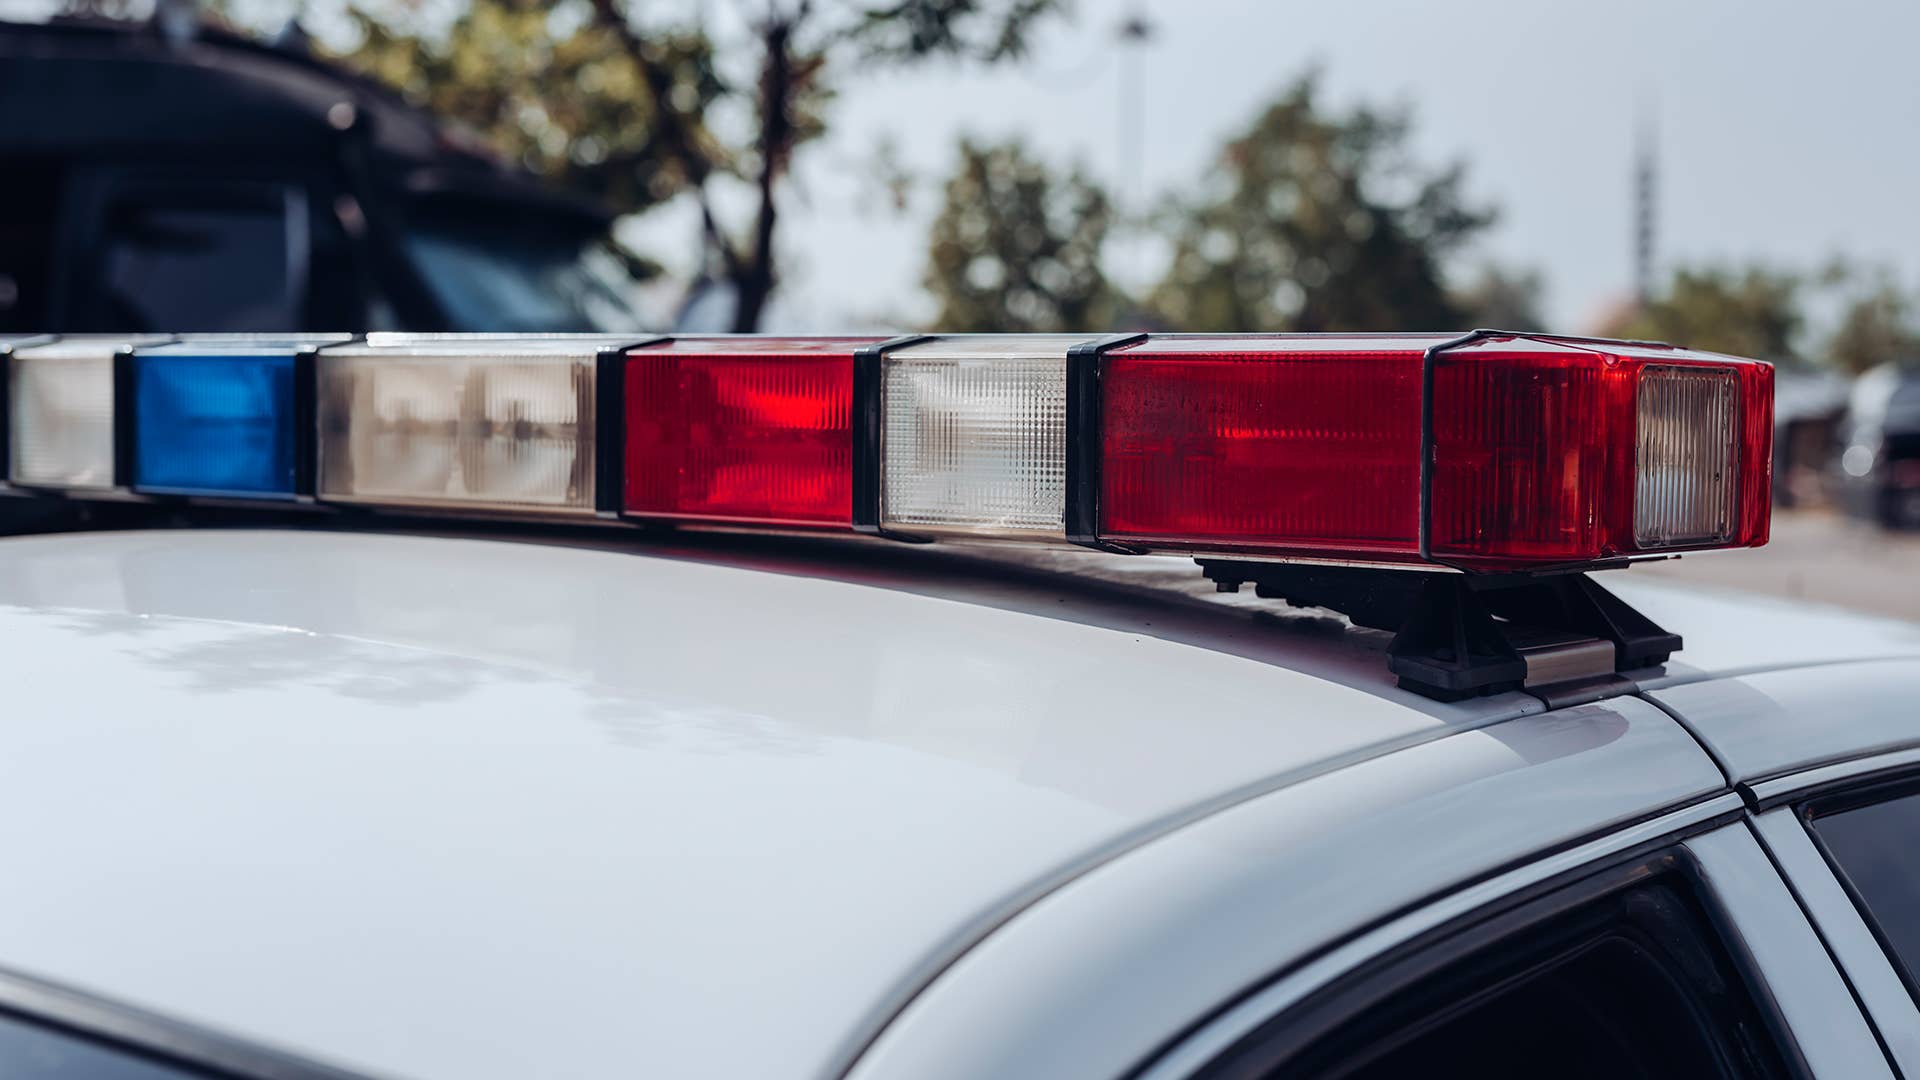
<point>974,443</point>
<point>60,411</point>
<point>1684,480</point>
<point>511,431</point>
<point>63,422</point>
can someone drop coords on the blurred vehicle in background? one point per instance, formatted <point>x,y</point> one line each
<point>1809,408</point>
<point>202,181</point>
<point>1880,464</point>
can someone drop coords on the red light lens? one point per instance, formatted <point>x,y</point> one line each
<point>1310,451</point>
<point>1538,455</point>
<point>1756,455</point>
<point>754,433</point>
<point>1310,447</point>
<point>1524,454</point>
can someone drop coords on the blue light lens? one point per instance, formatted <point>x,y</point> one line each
<point>215,424</point>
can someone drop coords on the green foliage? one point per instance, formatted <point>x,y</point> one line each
<point>1753,312</point>
<point>1318,221</point>
<point>562,96</point>
<point>1877,323</point>
<point>1501,299</point>
<point>1016,248</point>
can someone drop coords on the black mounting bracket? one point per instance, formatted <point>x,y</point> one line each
<point>1462,635</point>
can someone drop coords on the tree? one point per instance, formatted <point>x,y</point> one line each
<point>562,98</point>
<point>627,105</point>
<point>1016,248</point>
<point>1318,221</point>
<point>1877,324</point>
<point>1752,311</point>
<point>1501,299</point>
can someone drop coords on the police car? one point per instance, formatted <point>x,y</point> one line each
<point>447,706</point>
<point>155,175</point>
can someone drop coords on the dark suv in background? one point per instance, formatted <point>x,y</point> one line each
<point>1880,447</point>
<point>206,182</point>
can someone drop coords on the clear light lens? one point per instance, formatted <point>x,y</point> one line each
<point>506,432</point>
<point>974,443</point>
<point>1684,473</point>
<point>61,430</point>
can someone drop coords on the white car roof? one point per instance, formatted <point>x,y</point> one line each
<point>433,806</point>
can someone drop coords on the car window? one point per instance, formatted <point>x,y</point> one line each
<point>1873,842</point>
<point>30,1051</point>
<point>524,276</point>
<point>185,258</point>
<point>1634,983</point>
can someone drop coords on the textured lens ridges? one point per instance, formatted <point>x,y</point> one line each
<point>1684,483</point>
<point>974,443</point>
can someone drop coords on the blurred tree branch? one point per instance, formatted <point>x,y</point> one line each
<point>589,93</point>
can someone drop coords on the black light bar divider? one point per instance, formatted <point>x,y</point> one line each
<point>1082,507</point>
<point>1427,359</point>
<point>126,419</point>
<point>6,414</point>
<point>866,433</point>
<point>306,425</point>
<point>6,401</point>
<point>610,424</point>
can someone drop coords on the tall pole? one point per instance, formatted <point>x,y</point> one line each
<point>1134,33</point>
<point>1645,177</point>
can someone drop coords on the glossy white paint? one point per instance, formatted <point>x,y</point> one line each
<point>1092,979</point>
<point>441,807</point>
<point>437,806</point>
<point>1773,722</point>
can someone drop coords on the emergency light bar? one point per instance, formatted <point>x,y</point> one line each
<point>1289,462</point>
<point>1491,451</point>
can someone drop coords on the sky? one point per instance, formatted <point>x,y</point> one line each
<point>1786,132</point>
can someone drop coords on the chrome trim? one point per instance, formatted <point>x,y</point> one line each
<point>1552,664</point>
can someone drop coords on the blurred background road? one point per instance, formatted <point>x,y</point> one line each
<point>1817,556</point>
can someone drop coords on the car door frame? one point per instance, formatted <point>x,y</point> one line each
<point>1779,813</point>
<point>169,1042</point>
<point>1802,996</point>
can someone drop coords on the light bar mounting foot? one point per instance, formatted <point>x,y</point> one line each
<point>1464,635</point>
